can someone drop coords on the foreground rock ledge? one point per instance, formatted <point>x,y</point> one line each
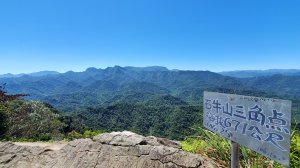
<point>110,150</point>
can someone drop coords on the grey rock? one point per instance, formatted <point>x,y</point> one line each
<point>125,138</point>
<point>110,150</point>
<point>156,141</point>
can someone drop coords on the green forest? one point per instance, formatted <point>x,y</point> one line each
<point>149,101</point>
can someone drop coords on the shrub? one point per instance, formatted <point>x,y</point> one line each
<point>218,148</point>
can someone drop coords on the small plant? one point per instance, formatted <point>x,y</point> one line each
<point>85,134</point>
<point>218,148</point>
<point>194,145</point>
<point>295,149</point>
<point>209,144</point>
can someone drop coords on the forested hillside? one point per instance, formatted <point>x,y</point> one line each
<point>163,116</point>
<point>71,90</point>
<point>150,101</point>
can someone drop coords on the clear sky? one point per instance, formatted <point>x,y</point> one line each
<point>213,35</point>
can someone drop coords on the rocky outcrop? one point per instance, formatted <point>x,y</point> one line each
<point>110,150</point>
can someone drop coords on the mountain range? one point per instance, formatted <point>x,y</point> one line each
<point>257,73</point>
<point>73,90</point>
<point>41,73</point>
<point>150,100</point>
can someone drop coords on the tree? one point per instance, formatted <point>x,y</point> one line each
<point>4,97</point>
<point>33,120</point>
<point>3,117</point>
<point>4,109</point>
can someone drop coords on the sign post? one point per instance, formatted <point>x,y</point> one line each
<point>235,155</point>
<point>261,124</point>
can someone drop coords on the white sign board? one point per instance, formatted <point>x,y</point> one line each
<point>261,124</point>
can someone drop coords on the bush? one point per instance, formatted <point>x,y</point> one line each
<point>86,134</point>
<point>218,148</point>
<point>295,149</point>
<point>32,120</point>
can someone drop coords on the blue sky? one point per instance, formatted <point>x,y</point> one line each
<point>213,35</point>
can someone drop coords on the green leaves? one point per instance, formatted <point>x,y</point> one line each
<point>211,144</point>
<point>174,120</point>
<point>32,120</point>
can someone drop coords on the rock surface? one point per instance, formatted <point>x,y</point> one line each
<point>110,150</point>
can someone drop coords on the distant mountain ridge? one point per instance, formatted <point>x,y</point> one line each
<point>90,69</point>
<point>41,73</point>
<point>94,87</point>
<point>236,73</point>
<point>257,73</point>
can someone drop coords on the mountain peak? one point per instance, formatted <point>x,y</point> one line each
<point>148,68</point>
<point>115,68</point>
<point>91,69</point>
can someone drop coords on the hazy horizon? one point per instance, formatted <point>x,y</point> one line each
<point>145,67</point>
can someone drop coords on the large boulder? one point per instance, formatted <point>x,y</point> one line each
<point>110,150</point>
